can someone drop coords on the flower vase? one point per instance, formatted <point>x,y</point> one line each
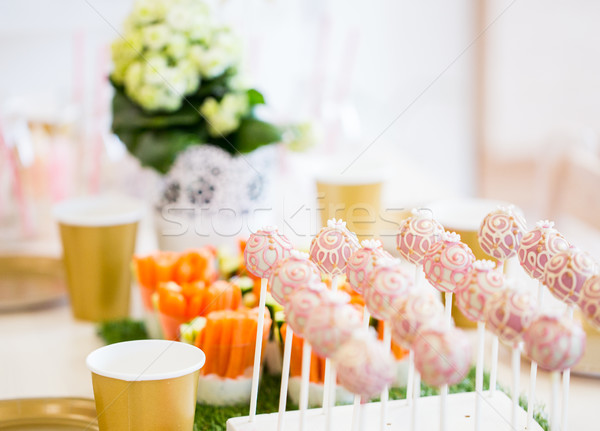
<point>210,197</point>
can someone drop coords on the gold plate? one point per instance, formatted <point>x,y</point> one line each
<point>48,414</point>
<point>30,281</point>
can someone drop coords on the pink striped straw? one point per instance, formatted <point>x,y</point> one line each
<point>100,103</point>
<point>25,216</point>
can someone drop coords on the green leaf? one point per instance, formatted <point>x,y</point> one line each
<point>158,149</point>
<point>255,97</point>
<point>128,115</point>
<point>254,133</point>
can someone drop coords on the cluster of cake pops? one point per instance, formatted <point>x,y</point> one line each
<point>414,318</point>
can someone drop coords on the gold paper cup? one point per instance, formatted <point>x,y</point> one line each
<point>98,238</point>
<point>356,200</point>
<point>464,216</point>
<point>146,385</point>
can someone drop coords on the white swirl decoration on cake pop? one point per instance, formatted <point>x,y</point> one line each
<point>447,264</point>
<point>361,264</point>
<point>364,365</point>
<point>442,355</point>
<point>509,314</point>
<point>538,246</point>
<point>387,282</point>
<point>485,282</point>
<point>501,232</point>
<point>301,304</point>
<point>293,272</point>
<point>332,247</point>
<point>264,249</point>
<point>332,323</point>
<point>414,311</point>
<point>589,301</point>
<point>566,273</point>
<point>417,234</point>
<point>554,342</point>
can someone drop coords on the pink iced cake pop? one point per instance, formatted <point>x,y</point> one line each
<point>332,247</point>
<point>264,249</point>
<point>554,342</point>
<point>566,272</point>
<point>509,314</point>
<point>448,262</point>
<point>501,232</point>
<point>485,282</point>
<point>364,365</point>
<point>331,323</point>
<point>292,273</point>
<point>415,310</point>
<point>300,304</point>
<point>388,282</point>
<point>417,234</point>
<point>538,246</point>
<point>442,355</point>
<point>361,263</point>
<point>589,301</point>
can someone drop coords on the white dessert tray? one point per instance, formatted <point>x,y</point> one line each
<point>496,414</point>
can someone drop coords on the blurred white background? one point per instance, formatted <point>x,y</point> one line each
<point>495,98</point>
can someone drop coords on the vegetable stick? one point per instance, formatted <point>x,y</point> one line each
<point>235,367</point>
<point>211,339</point>
<point>224,345</point>
<point>164,262</point>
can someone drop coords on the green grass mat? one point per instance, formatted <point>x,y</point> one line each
<point>213,418</point>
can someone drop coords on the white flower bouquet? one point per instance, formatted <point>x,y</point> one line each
<point>177,84</point>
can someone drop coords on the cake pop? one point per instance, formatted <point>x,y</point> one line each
<point>331,323</point>
<point>300,305</point>
<point>417,234</point>
<point>414,311</point>
<point>509,313</point>
<point>264,249</point>
<point>538,246</point>
<point>361,263</point>
<point>387,282</point>
<point>448,262</point>
<point>484,282</point>
<point>332,247</point>
<point>442,355</point>
<point>589,301</point>
<point>291,273</point>
<point>555,342</point>
<point>501,232</point>
<point>364,365</point>
<point>566,272</point>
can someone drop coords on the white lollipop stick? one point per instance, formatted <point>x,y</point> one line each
<point>565,387</point>
<point>531,397</point>
<point>356,410</point>
<point>479,373</point>
<point>555,379</point>
<point>285,375</point>
<point>411,357</point>
<point>363,416</point>
<point>330,377</point>
<point>258,348</point>
<point>516,370</point>
<point>414,418</point>
<point>305,377</point>
<point>387,341</point>
<point>494,366</point>
<point>444,388</point>
<point>410,380</point>
<point>533,372</point>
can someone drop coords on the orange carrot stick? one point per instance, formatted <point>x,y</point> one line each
<point>224,346</point>
<point>235,366</point>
